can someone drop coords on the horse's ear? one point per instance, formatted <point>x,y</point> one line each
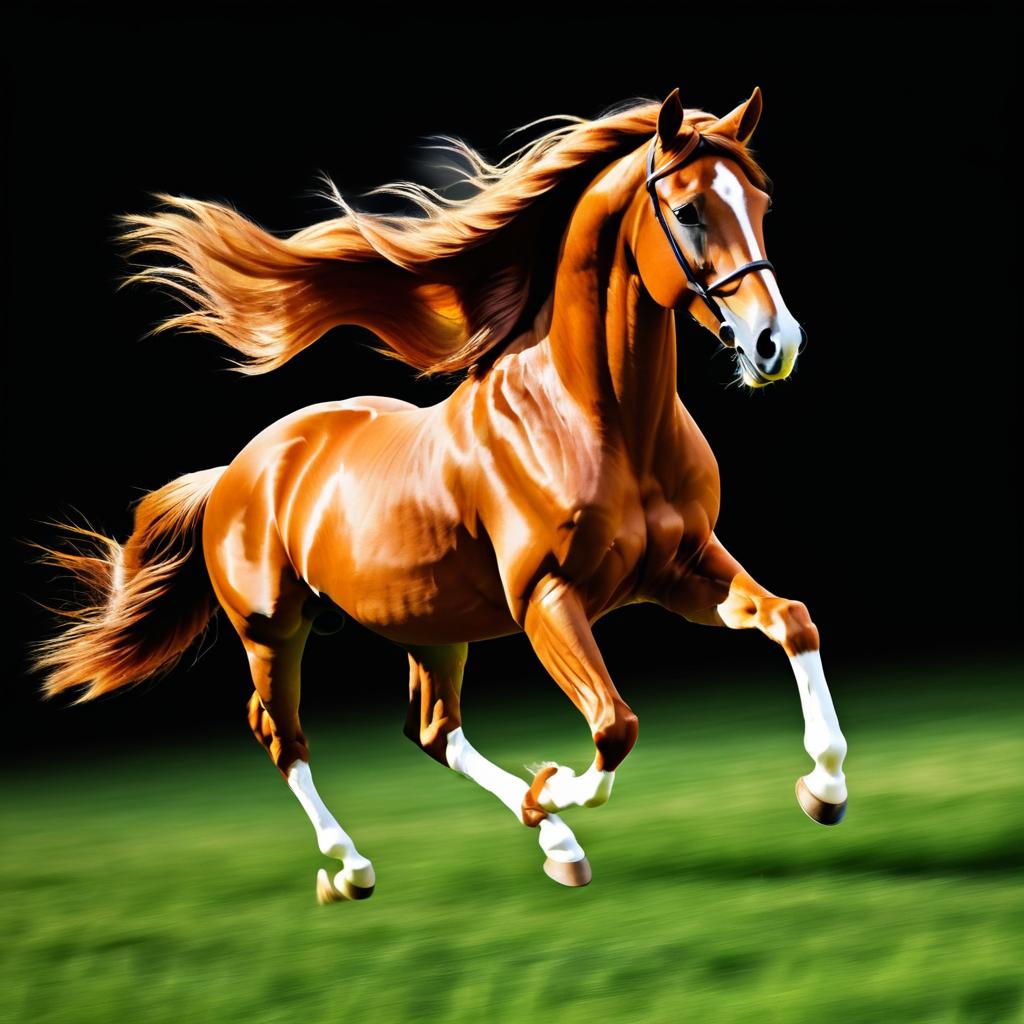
<point>740,124</point>
<point>670,118</point>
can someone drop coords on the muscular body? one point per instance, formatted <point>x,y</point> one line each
<point>564,481</point>
<point>561,479</point>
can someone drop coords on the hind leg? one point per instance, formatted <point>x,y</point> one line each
<point>274,719</point>
<point>434,723</point>
<point>273,611</point>
<point>274,643</point>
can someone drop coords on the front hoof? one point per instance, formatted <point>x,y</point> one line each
<point>818,810</point>
<point>573,873</point>
<point>328,892</point>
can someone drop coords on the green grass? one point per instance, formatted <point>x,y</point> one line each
<point>178,884</point>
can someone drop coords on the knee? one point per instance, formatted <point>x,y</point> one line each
<point>616,740</point>
<point>432,737</point>
<point>429,740</point>
<point>284,752</point>
<point>789,622</point>
<point>801,632</point>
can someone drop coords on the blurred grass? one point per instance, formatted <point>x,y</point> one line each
<point>178,883</point>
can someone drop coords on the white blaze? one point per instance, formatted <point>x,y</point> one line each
<point>727,186</point>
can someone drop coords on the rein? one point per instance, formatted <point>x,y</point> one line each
<point>725,331</point>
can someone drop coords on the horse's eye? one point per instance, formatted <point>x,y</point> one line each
<point>687,216</point>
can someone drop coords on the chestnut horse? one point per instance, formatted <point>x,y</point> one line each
<point>561,479</point>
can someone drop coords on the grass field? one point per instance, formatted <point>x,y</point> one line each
<point>178,884</point>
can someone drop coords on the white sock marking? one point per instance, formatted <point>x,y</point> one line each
<point>785,329</point>
<point>823,739</point>
<point>556,838</point>
<point>332,839</point>
<point>567,789</point>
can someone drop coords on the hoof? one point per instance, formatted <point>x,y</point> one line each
<point>818,810</point>
<point>574,873</point>
<point>328,892</point>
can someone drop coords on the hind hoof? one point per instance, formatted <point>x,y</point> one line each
<point>574,873</point>
<point>818,810</point>
<point>328,892</point>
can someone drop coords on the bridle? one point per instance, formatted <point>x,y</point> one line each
<point>725,331</point>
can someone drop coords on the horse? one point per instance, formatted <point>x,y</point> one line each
<point>561,479</point>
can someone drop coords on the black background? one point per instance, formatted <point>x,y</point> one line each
<point>875,484</point>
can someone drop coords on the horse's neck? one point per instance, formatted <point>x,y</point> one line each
<point>613,347</point>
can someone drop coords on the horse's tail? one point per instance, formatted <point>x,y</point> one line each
<point>145,600</point>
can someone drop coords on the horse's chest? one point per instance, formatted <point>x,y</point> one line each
<point>636,546</point>
<point>665,528</point>
<point>609,550</point>
<point>625,529</point>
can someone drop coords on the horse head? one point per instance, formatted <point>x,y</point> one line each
<point>699,239</point>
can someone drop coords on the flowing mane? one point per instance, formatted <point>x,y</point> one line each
<point>440,290</point>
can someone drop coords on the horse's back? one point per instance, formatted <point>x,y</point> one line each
<point>270,461</point>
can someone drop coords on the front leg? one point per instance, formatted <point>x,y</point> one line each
<point>716,590</point>
<point>559,630</point>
